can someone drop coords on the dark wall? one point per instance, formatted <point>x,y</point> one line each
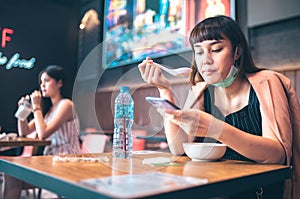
<point>44,29</point>
<point>276,44</point>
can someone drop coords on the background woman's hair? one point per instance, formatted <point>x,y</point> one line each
<point>216,28</point>
<point>56,72</point>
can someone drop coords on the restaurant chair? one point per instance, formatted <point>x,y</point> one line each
<point>138,143</point>
<point>93,143</point>
<point>27,152</point>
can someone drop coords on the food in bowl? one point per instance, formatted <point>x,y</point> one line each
<point>204,151</point>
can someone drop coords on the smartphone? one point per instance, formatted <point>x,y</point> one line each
<point>162,103</point>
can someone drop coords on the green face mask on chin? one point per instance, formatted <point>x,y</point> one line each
<point>229,79</point>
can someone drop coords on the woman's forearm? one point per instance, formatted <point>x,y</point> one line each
<point>175,137</point>
<point>174,134</point>
<point>23,128</point>
<point>166,93</point>
<point>257,148</point>
<point>40,124</point>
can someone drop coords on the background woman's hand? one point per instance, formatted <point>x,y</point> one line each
<point>151,73</point>
<point>36,99</point>
<point>21,101</point>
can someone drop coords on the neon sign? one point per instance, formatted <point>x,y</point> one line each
<point>15,60</point>
<point>6,32</point>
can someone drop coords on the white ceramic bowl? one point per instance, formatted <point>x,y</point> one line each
<point>204,151</point>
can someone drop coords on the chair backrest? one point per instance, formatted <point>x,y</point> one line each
<point>93,143</point>
<point>29,150</point>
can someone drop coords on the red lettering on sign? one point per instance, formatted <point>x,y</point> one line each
<point>5,36</point>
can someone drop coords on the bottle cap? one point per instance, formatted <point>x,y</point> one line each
<point>124,89</point>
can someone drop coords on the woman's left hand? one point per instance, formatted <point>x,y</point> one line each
<point>194,122</point>
<point>36,99</point>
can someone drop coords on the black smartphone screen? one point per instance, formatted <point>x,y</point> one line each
<point>161,103</point>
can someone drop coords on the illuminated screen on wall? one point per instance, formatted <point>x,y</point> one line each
<point>135,29</point>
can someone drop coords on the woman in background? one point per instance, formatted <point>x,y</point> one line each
<point>255,112</point>
<point>54,118</point>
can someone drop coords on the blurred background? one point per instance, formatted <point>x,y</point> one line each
<point>101,42</point>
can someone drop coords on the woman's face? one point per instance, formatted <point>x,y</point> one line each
<point>49,86</point>
<point>214,59</point>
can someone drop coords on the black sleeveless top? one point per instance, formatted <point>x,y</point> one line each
<point>247,119</point>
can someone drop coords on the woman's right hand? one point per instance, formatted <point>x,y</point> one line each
<point>151,73</point>
<point>36,98</point>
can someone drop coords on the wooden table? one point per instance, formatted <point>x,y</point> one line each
<point>224,177</point>
<point>22,141</point>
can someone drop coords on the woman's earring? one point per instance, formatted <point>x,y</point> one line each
<point>236,58</point>
<point>236,53</point>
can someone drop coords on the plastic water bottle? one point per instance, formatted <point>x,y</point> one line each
<point>123,120</point>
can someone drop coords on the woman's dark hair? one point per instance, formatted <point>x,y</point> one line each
<point>56,72</point>
<point>216,28</point>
